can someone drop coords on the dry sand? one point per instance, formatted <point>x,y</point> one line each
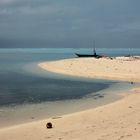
<point>116,121</point>
<point>121,68</point>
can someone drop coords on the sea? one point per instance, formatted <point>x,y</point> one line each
<point>29,93</point>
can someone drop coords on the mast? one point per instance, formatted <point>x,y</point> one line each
<point>94,51</point>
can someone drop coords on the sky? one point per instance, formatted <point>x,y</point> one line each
<point>70,23</point>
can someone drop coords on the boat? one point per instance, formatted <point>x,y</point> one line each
<point>89,55</point>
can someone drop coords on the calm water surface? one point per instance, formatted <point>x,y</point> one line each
<point>20,86</point>
<point>23,83</point>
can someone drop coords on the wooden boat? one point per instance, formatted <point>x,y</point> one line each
<point>85,55</point>
<point>89,55</point>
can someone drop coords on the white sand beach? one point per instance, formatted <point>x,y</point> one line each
<point>120,68</point>
<point>115,121</point>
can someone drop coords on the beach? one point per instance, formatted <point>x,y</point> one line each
<point>114,121</point>
<point>120,68</point>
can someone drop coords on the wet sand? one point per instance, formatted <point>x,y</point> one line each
<point>118,120</point>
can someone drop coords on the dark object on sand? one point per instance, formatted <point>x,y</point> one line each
<point>90,55</point>
<point>49,125</point>
<point>132,82</point>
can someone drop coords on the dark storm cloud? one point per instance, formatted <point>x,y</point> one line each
<point>69,23</point>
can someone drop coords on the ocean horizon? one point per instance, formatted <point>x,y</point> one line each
<point>72,51</point>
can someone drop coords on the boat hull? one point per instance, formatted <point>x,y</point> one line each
<point>87,55</point>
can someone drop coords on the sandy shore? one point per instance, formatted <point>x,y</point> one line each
<point>121,68</point>
<point>115,121</point>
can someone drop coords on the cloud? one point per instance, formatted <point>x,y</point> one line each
<point>64,21</point>
<point>6,1</point>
